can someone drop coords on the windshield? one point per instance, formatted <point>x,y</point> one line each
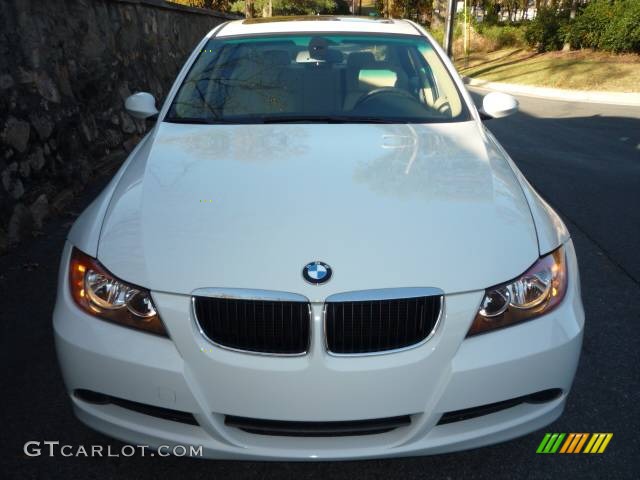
<point>345,78</point>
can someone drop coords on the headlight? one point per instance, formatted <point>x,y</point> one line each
<point>104,296</point>
<point>536,292</point>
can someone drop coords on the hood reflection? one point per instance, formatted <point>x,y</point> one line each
<point>287,194</point>
<point>398,160</point>
<point>422,160</point>
<point>244,143</point>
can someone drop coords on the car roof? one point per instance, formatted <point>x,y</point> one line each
<point>317,23</point>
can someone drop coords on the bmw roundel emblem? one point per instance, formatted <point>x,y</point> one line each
<point>316,272</point>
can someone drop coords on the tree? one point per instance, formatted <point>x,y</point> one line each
<point>249,9</point>
<point>418,10</point>
<point>439,13</point>
<point>218,5</point>
<point>288,7</point>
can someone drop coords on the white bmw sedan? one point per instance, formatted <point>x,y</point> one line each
<point>318,252</point>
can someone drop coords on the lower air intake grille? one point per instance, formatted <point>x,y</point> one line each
<point>260,326</point>
<point>380,325</point>
<point>317,429</point>
<point>474,412</point>
<point>158,412</point>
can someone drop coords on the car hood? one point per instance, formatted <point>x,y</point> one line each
<point>247,206</point>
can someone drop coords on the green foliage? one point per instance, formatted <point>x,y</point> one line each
<point>437,34</point>
<point>303,7</point>
<point>502,36</point>
<point>608,25</point>
<point>587,29</point>
<point>548,30</point>
<point>218,5</point>
<point>623,33</point>
<point>491,16</point>
<point>294,7</point>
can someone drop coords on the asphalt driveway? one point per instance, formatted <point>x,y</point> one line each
<point>583,158</point>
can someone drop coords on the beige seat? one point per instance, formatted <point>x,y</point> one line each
<point>258,85</point>
<point>365,74</point>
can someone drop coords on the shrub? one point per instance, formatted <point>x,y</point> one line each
<point>502,36</point>
<point>485,37</point>
<point>491,16</point>
<point>588,27</point>
<point>547,31</point>
<point>622,34</point>
<point>438,34</point>
<point>612,25</point>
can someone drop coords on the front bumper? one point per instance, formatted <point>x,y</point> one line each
<point>447,373</point>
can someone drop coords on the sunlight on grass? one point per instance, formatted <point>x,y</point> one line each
<point>581,70</point>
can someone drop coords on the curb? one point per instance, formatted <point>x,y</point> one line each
<point>610,98</point>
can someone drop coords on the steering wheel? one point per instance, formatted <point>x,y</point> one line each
<point>383,91</point>
<point>442,105</point>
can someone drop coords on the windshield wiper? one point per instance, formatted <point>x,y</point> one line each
<point>325,119</point>
<point>191,120</point>
<point>283,119</point>
<point>211,121</point>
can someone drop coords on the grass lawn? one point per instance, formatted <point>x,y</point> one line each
<point>578,70</point>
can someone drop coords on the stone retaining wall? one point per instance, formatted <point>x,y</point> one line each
<point>65,68</point>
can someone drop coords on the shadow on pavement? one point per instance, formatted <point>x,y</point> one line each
<point>587,166</point>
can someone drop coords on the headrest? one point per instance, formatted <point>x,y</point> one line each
<point>377,78</point>
<point>332,56</point>
<point>276,57</point>
<point>304,57</point>
<point>360,59</point>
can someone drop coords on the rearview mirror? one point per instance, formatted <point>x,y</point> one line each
<point>499,105</point>
<point>141,105</point>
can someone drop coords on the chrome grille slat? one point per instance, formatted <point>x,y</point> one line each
<point>355,323</point>
<point>379,326</point>
<point>254,325</point>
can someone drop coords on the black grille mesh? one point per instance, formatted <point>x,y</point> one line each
<point>255,325</point>
<point>380,325</point>
<point>317,429</point>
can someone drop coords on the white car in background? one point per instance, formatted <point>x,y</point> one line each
<point>318,252</point>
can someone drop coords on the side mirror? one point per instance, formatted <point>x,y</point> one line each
<point>499,105</point>
<point>141,105</point>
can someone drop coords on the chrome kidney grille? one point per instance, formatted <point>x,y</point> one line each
<point>256,326</point>
<point>355,323</point>
<point>373,326</point>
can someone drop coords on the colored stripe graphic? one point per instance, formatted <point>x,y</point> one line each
<point>574,443</point>
<point>567,443</point>
<point>543,443</point>
<point>556,445</point>
<point>597,442</point>
<point>581,443</point>
<point>550,443</point>
<point>608,438</point>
